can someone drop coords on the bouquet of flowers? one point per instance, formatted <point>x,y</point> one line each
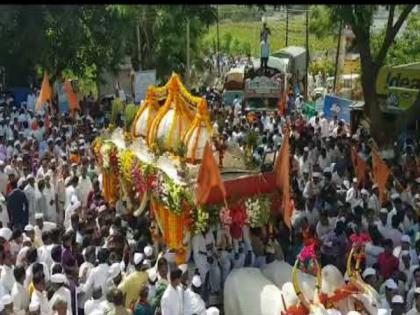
<point>201,220</point>
<point>258,211</point>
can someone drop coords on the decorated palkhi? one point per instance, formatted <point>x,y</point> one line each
<point>157,158</point>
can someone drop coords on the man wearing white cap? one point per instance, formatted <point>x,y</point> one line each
<point>131,285</point>
<point>416,306</point>
<point>391,288</point>
<point>29,191</point>
<point>193,303</point>
<point>398,305</point>
<point>58,281</point>
<point>369,276</point>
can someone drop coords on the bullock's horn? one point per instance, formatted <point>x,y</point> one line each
<point>318,283</point>
<point>296,286</point>
<point>354,277</point>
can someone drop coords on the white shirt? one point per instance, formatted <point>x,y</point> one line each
<point>69,192</point>
<point>353,197</point>
<point>42,300</point>
<point>32,204</point>
<point>413,311</point>
<point>20,298</point>
<point>92,305</point>
<point>172,301</point>
<point>84,187</point>
<point>97,278</point>
<point>193,303</point>
<point>7,277</point>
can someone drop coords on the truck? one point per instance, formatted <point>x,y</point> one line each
<point>297,60</point>
<point>262,91</point>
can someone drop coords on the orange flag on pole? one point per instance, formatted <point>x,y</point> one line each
<point>381,174</point>
<point>360,167</point>
<point>209,177</point>
<point>71,96</point>
<point>282,104</point>
<point>283,180</point>
<point>45,94</point>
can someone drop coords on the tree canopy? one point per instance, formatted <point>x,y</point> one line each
<point>94,39</point>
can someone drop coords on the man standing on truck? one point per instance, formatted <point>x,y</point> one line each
<point>265,32</point>
<point>265,53</point>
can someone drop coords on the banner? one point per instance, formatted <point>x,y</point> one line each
<point>405,76</point>
<point>336,105</point>
<point>142,81</point>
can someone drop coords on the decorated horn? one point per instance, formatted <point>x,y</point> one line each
<point>355,276</point>
<point>318,281</point>
<point>296,286</point>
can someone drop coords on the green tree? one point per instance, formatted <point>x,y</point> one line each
<point>227,42</point>
<point>360,19</point>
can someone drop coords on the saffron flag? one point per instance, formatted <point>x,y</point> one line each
<point>282,104</point>
<point>208,177</point>
<point>45,94</point>
<point>283,180</point>
<point>360,167</point>
<point>381,174</point>
<point>71,96</point>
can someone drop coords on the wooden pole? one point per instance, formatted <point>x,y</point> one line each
<point>337,55</point>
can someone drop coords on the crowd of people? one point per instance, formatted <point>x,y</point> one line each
<point>64,250</point>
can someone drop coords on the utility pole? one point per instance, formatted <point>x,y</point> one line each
<point>307,53</point>
<point>337,55</point>
<point>218,44</point>
<point>287,25</point>
<point>188,51</point>
<point>138,44</point>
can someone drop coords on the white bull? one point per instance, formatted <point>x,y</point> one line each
<point>280,272</point>
<point>248,292</point>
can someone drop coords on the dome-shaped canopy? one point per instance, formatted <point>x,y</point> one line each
<point>172,120</point>
<point>198,134</point>
<point>145,115</point>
